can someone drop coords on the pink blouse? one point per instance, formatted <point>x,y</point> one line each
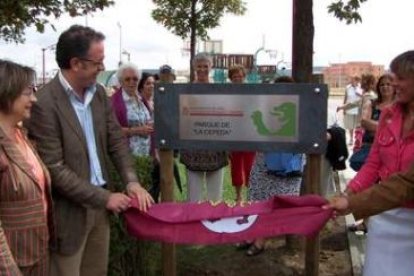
<point>34,163</point>
<point>390,153</point>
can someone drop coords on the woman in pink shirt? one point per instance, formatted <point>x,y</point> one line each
<point>390,243</point>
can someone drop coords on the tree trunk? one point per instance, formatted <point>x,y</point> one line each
<point>302,57</point>
<point>193,28</point>
<point>302,40</point>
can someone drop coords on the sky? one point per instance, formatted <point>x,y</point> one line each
<point>384,33</point>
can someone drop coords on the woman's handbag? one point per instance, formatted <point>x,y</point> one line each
<point>358,135</point>
<point>358,157</point>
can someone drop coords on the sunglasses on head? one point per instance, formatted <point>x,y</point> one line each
<point>131,78</point>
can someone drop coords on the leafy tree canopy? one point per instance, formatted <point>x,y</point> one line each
<point>17,15</point>
<point>177,15</point>
<point>346,10</point>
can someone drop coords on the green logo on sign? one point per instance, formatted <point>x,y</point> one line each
<point>285,114</point>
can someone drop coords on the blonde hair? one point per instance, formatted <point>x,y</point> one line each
<point>236,68</point>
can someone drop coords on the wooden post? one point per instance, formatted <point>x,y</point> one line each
<point>168,252</point>
<point>312,186</point>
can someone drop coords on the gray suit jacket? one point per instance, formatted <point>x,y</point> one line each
<point>61,143</point>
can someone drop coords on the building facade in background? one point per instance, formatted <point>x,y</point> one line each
<point>338,75</point>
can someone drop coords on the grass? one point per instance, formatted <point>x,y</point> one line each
<point>229,193</point>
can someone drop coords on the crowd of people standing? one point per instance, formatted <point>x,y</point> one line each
<point>59,168</point>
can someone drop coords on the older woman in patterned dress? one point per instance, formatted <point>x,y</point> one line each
<point>132,114</point>
<point>265,184</point>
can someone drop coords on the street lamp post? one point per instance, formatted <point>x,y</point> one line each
<point>120,43</point>
<point>50,47</point>
<point>43,66</point>
<point>128,54</point>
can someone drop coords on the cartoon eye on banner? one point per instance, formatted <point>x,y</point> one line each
<point>204,223</point>
<point>230,225</point>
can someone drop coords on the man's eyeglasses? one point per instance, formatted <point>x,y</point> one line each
<point>128,79</point>
<point>30,91</point>
<point>97,64</point>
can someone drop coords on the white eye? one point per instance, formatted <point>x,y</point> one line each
<point>230,225</point>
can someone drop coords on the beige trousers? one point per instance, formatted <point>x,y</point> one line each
<point>213,182</point>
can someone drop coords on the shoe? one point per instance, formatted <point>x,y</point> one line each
<point>243,245</point>
<point>358,228</point>
<point>254,250</point>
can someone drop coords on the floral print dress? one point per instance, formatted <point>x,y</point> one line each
<point>263,185</point>
<point>137,115</point>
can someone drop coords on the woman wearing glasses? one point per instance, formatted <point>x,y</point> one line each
<point>25,199</point>
<point>132,114</point>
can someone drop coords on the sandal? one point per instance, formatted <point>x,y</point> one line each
<point>254,250</point>
<point>243,245</point>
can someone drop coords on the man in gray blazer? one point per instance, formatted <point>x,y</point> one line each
<point>75,132</point>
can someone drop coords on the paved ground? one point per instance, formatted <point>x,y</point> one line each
<point>356,240</point>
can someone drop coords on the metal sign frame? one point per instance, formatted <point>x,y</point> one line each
<point>311,115</point>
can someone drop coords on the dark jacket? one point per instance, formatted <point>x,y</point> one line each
<point>337,151</point>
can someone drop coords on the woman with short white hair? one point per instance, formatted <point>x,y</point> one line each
<point>131,112</point>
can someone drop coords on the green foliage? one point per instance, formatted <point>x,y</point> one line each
<point>16,16</point>
<point>177,16</point>
<point>192,18</point>
<point>347,11</point>
<point>129,256</point>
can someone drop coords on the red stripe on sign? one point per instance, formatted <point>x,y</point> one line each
<point>216,114</point>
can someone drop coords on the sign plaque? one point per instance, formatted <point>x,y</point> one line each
<point>260,117</point>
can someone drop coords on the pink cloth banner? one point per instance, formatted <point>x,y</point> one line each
<point>204,223</point>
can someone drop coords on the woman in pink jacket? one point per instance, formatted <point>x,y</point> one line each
<point>390,243</point>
